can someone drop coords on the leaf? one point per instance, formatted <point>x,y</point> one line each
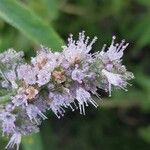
<point>19,16</point>
<point>52,7</point>
<point>32,142</point>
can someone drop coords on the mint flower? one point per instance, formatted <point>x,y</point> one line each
<point>57,81</point>
<point>33,111</point>
<point>84,97</point>
<point>8,122</point>
<point>14,140</point>
<point>115,80</point>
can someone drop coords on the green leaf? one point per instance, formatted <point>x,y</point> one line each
<point>52,7</point>
<point>19,16</point>
<point>32,142</point>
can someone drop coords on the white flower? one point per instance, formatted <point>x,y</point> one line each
<point>114,79</point>
<point>14,140</point>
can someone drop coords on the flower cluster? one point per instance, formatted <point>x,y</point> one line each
<point>56,81</point>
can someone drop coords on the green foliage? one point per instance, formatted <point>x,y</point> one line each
<point>32,142</point>
<point>100,129</point>
<point>144,2</point>
<point>145,133</point>
<point>52,7</point>
<point>142,31</point>
<point>28,23</point>
<point>47,9</point>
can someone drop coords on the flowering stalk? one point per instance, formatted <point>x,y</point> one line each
<point>56,81</point>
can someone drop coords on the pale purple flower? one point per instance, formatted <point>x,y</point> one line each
<point>14,140</point>
<point>33,112</point>
<point>41,104</point>
<point>27,73</point>
<point>11,77</point>
<point>56,103</point>
<point>9,107</point>
<point>57,81</point>
<point>43,77</point>
<point>83,97</point>
<point>77,75</point>
<point>10,57</point>
<point>109,67</point>
<point>115,51</point>
<point>42,56</point>
<point>57,110</point>
<point>20,100</point>
<point>59,101</point>
<point>77,50</point>
<point>46,60</point>
<point>8,122</point>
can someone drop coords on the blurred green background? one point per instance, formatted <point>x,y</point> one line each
<point>121,122</point>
